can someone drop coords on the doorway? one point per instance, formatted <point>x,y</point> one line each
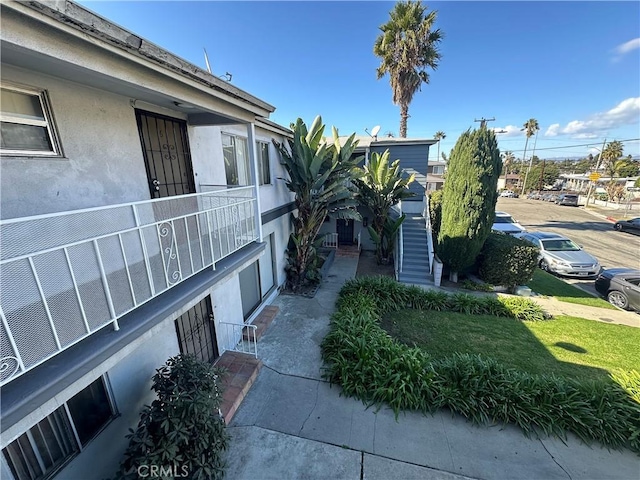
<point>344,228</point>
<point>167,157</point>
<point>196,332</point>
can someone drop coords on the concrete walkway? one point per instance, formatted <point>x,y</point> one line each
<point>556,307</point>
<point>294,425</point>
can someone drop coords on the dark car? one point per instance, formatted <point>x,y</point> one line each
<point>621,287</point>
<point>631,226</point>
<point>567,199</point>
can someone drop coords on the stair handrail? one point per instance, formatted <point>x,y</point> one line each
<point>427,219</point>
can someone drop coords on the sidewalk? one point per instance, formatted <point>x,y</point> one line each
<point>556,307</point>
<point>609,213</point>
<point>293,425</point>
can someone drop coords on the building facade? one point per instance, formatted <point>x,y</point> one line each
<point>141,218</point>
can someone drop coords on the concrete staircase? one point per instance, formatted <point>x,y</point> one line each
<point>415,263</point>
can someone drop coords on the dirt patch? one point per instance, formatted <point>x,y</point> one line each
<point>368,266</point>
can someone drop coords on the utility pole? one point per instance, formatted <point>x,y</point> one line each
<point>597,166</point>
<point>483,121</point>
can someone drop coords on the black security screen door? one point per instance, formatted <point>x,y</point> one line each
<point>344,229</point>
<point>196,332</point>
<point>167,157</point>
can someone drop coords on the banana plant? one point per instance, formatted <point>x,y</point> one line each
<point>385,242</point>
<point>320,177</point>
<point>381,186</point>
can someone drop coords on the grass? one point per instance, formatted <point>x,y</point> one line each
<point>544,283</point>
<point>566,346</point>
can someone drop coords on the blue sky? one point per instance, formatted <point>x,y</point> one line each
<point>574,66</point>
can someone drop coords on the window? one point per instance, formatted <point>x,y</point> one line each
<point>42,450</point>
<point>262,149</point>
<point>26,125</point>
<point>236,160</point>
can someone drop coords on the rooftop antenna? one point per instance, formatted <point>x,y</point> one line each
<point>374,132</point>
<point>206,60</point>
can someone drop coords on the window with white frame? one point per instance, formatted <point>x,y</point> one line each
<point>236,160</point>
<point>26,123</point>
<point>41,451</point>
<point>262,149</point>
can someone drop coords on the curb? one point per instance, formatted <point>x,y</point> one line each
<point>595,213</point>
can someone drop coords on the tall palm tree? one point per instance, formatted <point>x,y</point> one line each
<point>440,135</point>
<point>531,128</point>
<point>407,46</point>
<point>507,161</point>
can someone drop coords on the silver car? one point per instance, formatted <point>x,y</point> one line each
<point>560,255</point>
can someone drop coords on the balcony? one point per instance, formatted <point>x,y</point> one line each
<point>66,275</point>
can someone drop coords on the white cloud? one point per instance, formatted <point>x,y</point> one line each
<point>626,112</point>
<point>628,46</point>
<point>510,131</point>
<point>552,131</point>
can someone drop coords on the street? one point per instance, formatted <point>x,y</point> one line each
<point>594,234</point>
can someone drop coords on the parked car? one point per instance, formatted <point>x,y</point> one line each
<point>508,194</point>
<point>631,226</point>
<point>560,255</point>
<point>503,222</point>
<point>621,287</point>
<point>534,196</point>
<point>567,199</point>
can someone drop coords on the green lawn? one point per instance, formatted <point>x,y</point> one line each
<point>565,346</point>
<point>544,283</point>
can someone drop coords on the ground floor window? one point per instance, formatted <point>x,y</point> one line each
<point>250,289</point>
<point>44,448</point>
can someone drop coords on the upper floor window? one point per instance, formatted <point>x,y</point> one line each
<point>262,149</point>
<point>236,160</point>
<point>41,451</point>
<point>26,123</point>
<point>437,170</point>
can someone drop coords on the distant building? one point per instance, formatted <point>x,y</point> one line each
<point>413,154</point>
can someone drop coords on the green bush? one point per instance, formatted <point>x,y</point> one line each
<point>372,366</point>
<point>506,260</point>
<point>477,287</point>
<point>469,198</point>
<point>181,430</point>
<point>435,214</point>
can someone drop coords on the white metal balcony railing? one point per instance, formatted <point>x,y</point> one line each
<point>66,275</point>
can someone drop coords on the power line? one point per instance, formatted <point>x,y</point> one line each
<point>581,145</point>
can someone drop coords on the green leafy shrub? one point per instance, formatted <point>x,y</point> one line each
<point>505,260</point>
<point>181,430</point>
<point>475,286</point>
<point>374,367</point>
<point>435,214</point>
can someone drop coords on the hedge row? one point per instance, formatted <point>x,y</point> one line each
<point>370,365</point>
<point>506,260</point>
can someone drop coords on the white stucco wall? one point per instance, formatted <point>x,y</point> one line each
<point>102,161</point>
<point>130,383</point>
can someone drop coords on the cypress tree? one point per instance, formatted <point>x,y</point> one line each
<point>469,198</point>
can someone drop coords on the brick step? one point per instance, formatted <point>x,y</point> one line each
<point>241,371</point>
<point>262,322</point>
